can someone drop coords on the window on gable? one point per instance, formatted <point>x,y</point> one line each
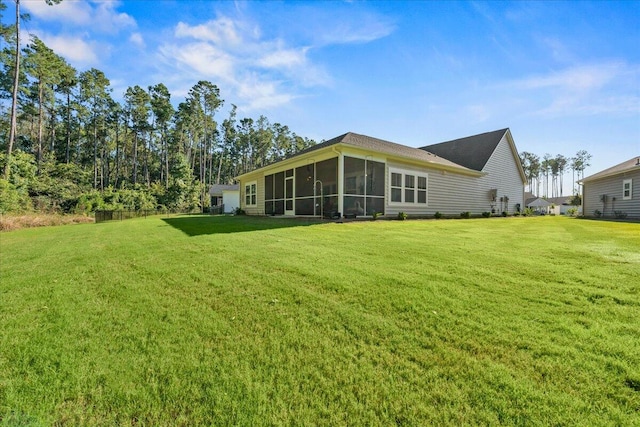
<point>627,190</point>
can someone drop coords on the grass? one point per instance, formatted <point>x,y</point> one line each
<point>256,321</point>
<point>10,222</point>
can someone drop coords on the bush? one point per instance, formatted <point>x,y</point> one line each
<point>597,213</point>
<point>375,215</point>
<point>504,213</point>
<point>620,214</point>
<point>13,200</point>
<point>486,214</point>
<point>239,211</point>
<point>402,216</point>
<point>465,215</point>
<point>437,215</point>
<point>572,211</point>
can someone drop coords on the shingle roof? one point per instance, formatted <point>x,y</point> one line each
<point>219,188</point>
<point>472,152</point>
<point>630,164</point>
<point>382,146</point>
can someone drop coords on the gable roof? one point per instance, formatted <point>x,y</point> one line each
<point>219,188</point>
<point>368,143</point>
<point>537,203</point>
<point>472,152</point>
<point>631,164</point>
<point>387,147</point>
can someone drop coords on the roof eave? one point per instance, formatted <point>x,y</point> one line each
<point>516,156</point>
<point>607,175</point>
<point>341,145</point>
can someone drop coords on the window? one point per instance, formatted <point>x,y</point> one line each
<point>422,189</point>
<point>408,187</point>
<point>364,184</point>
<point>250,194</point>
<point>396,187</point>
<point>627,191</point>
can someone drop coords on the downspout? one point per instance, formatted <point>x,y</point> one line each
<point>340,180</point>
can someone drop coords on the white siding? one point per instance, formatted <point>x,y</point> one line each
<point>504,175</point>
<point>612,187</point>
<point>451,194</point>
<point>259,208</point>
<point>231,200</point>
<point>448,193</point>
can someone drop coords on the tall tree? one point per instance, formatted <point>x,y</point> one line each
<point>16,83</point>
<point>579,163</point>
<point>95,93</point>
<point>162,113</point>
<point>139,108</point>
<point>46,68</point>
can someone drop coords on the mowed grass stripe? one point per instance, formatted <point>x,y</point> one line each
<point>258,321</point>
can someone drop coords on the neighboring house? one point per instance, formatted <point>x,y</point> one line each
<point>613,190</point>
<point>225,197</point>
<point>357,175</point>
<point>538,204</point>
<point>561,205</point>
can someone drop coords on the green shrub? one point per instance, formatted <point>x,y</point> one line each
<point>437,215</point>
<point>620,214</point>
<point>572,211</point>
<point>239,211</point>
<point>597,213</point>
<point>13,200</point>
<point>402,216</point>
<point>375,215</point>
<point>504,213</point>
<point>465,214</point>
<point>486,214</point>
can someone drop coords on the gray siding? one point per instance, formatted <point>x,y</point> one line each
<point>612,187</point>
<point>504,175</point>
<point>451,194</point>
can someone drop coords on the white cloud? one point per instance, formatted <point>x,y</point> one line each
<point>581,78</point>
<point>70,12</point>
<point>76,50</point>
<point>138,40</point>
<point>205,59</point>
<point>261,72</point>
<point>259,95</point>
<point>283,58</point>
<point>607,88</point>
<point>100,16</point>
<point>218,31</point>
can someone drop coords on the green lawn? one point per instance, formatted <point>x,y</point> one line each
<point>254,321</point>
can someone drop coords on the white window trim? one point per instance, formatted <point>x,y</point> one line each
<point>624,184</point>
<point>416,176</point>
<point>248,193</point>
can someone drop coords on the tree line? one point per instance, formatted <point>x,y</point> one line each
<point>545,175</point>
<point>70,146</point>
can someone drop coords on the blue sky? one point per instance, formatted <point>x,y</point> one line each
<point>563,76</point>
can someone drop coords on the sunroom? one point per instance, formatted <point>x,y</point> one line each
<point>351,175</point>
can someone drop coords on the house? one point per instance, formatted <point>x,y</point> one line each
<point>357,175</point>
<point>611,192</point>
<point>224,198</point>
<point>538,204</point>
<point>561,205</point>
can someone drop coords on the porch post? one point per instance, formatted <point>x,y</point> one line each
<point>341,183</point>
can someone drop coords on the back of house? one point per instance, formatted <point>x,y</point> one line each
<point>358,175</point>
<point>613,192</point>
